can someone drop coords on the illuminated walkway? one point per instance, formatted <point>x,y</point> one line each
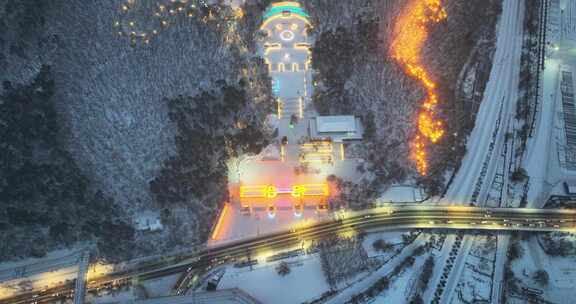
<point>267,193</point>
<point>411,31</point>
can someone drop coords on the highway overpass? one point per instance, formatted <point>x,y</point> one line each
<point>377,219</point>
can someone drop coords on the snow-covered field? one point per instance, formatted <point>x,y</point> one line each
<point>304,282</point>
<point>394,238</point>
<point>402,289</point>
<point>475,282</point>
<point>159,287</point>
<point>402,193</point>
<point>561,271</point>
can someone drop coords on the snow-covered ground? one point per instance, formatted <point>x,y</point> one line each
<point>285,51</point>
<point>154,288</point>
<point>401,289</point>
<point>112,297</point>
<point>487,140</point>
<point>402,193</point>
<point>159,287</point>
<point>236,225</point>
<point>304,282</point>
<point>546,161</point>
<point>497,107</point>
<point>34,274</point>
<point>394,238</point>
<point>475,283</point>
<point>38,281</point>
<point>561,271</point>
<point>368,280</point>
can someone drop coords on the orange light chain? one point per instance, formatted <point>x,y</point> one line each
<point>411,32</point>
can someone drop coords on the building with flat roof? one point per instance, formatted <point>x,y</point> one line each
<point>337,128</point>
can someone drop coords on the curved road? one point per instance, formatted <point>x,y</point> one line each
<point>419,217</point>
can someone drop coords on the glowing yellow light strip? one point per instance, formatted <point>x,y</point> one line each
<point>268,64</point>
<point>297,191</point>
<point>342,157</point>
<point>303,47</point>
<point>286,3</point>
<point>316,154</point>
<point>318,143</point>
<point>253,191</point>
<point>295,67</point>
<point>320,149</point>
<point>285,17</point>
<point>315,190</point>
<point>324,160</point>
<point>271,192</point>
<point>279,104</point>
<point>217,229</point>
<point>267,191</point>
<point>310,190</point>
<point>271,47</point>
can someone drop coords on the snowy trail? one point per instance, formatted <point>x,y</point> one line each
<point>501,257</point>
<point>540,146</point>
<point>459,264</point>
<point>487,139</point>
<point>442,258</point>
<point>345,295</point>
<point>500,89</point>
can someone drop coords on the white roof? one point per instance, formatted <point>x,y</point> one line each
<point>336,124</point>
<point>148,221</point>
<point>571,188</point>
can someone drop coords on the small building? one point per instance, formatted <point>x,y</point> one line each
<point>570,188</point>
<point>148,220</point>
<point>337,128</point>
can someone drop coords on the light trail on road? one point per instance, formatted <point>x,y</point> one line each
<point>410,34</point>
<point>409,217</point>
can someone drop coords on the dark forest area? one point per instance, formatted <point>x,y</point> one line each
<point>45,199</point>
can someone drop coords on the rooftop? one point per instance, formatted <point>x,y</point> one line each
<point>285,6</point>
<point>336,124</point>
<point>336,128</point>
